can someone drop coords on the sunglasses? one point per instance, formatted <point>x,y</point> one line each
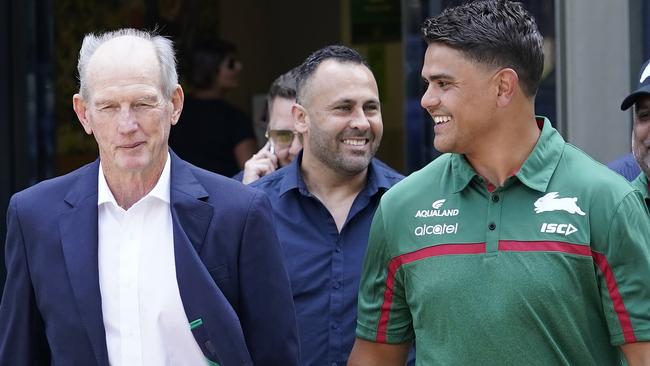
<point>281,138</point>
<point>232,63</point>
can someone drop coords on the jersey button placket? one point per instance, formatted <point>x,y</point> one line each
<point>493,221</point>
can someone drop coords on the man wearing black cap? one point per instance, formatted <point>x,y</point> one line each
<point>640,98</point>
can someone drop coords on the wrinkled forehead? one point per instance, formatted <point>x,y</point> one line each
<point>121,57</point>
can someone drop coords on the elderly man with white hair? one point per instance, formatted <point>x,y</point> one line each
<point>140,258</point>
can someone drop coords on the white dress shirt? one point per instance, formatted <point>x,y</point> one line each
<point>143,314</point>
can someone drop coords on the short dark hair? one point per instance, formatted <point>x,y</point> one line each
<point>284,86</point>
<point>204,61</point>
<point>498,33</point>
<point>336,52</point>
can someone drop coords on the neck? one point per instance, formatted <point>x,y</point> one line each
<point>129,187</point>
<point>505,149</point>
<point>336,191</point>
<point>323,182</point>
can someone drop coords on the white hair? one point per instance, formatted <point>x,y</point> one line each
<point>163,47</point>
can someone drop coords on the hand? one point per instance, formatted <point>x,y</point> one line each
<point>260,164</point>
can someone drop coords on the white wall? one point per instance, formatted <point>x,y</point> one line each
<point>594,75</point>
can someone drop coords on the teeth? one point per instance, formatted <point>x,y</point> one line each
<point>441,119</point>
<point>354,142</point>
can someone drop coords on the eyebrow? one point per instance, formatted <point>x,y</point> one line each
<point>352,101</point>
<point>641,108</point>
<point>147,98</point>
<point>438,77</point>
<point>102,101</point>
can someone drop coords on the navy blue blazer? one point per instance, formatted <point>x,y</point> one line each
<point>228,266</point>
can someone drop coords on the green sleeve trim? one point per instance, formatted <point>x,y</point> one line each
<point>198,322</point>
<point>212,363</point>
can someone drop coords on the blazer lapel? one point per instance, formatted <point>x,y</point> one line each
<point>78,229</point>
<point>205,305</point>
<point>188,204</point>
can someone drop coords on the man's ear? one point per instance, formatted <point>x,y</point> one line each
<point>507,83</point>
<point>300,118</point>
<point>178,98</point>
<point>80,109</point>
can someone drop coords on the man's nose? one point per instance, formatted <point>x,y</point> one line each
<point>430,100</point>
<point>126,121</point>
<point>360,120</point>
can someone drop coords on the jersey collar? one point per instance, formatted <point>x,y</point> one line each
<point>641,184</point>
<point>537,170</point>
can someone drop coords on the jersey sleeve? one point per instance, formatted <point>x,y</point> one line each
<point>623,267</point>
<point>383,313</point>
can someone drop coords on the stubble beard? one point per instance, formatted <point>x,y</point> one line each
<point>642,157</point>
<point>335,159</point>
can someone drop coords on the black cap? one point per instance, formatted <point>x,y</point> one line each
<point>642,89</point>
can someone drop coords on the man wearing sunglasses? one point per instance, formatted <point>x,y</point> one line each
<point>324,200</point>
<point>283,141</point>
<point>212,133</point>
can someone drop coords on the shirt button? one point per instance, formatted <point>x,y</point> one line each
<point>334,326</point>
<point>492,226</point>
<point>337,285</point>
<point>334,364</point>
<point>338,249</point>
<point>495,198</point>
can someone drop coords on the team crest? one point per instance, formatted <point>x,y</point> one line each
<point>551,202</point>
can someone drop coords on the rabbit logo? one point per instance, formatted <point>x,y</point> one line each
<point>551,202</point>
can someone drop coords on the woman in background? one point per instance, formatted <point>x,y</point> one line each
<point>212,133</point>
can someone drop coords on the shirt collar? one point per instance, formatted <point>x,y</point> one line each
<point>377,178</point>
<point>293,179</point>
<point>537,170</point>
<point>641,183</point>
<point>160,190</point>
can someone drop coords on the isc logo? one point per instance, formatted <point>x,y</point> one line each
<point>564,229</point>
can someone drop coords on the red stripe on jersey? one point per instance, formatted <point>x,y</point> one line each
<point>615,295</point>
<point>601,262</point>
<point>397,262</point>
<point>544,246</point>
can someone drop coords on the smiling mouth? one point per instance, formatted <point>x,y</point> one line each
<point>438,120</point>
<point>355,142</point>
<point>131,146</point>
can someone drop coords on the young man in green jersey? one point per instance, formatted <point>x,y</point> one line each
<point>640,98</point>
<point>514,248</point>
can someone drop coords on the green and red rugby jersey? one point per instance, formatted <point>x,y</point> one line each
<point>641,183</point>
<point>553,268</point>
